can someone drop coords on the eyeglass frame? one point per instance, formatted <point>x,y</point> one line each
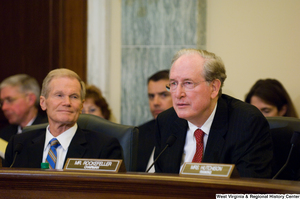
<point>168,86</point>
<point>10,100</point>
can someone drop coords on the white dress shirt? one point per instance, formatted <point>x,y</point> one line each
<point>150,162</point>
<point>20,130</point>
<point>64,140</point>
<point>190,140</point>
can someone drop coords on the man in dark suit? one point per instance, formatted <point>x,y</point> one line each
<point>233,132</point>
<point>20,104</point>
<point>8,131</point>
<point>159,100</point>
<point>62,97</point>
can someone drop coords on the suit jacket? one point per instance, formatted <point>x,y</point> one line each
<point>8,131</point>
<point>239,135</point>
<point>145,145</point>
<point>85,144</point>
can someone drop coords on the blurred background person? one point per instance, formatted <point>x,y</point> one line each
<point>271,98</point>
<point>95,103</point>
<point>20,104</point>
<point>159,100</point>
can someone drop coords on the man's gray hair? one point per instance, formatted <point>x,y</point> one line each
<point>61,72</point>
<point>213,66</point>
<point>25,83</point>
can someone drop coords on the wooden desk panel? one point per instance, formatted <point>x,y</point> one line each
<point>25,183</point>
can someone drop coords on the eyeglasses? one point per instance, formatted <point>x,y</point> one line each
<point>188,85</point>
<point>9,100</point>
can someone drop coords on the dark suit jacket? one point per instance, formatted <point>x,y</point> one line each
<point>85,144</point>
<point>8,131</point>
<point>145,145</point>
<point>239,135</point>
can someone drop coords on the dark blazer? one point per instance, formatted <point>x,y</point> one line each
<point>85,144</point>
<point>239,135</point>
<point>8,131</point>
<point>145,145</point>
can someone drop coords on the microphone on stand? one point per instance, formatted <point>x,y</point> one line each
<point>294,141</point>
<point>17,150</point>
<point>170,141</point>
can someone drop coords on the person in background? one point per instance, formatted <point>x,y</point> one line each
<point>159,100</point>
<point>210,127</point>
<point>95,103</point>
<point>62,97</point>
<point>19,96</point>
<point>271,98</point>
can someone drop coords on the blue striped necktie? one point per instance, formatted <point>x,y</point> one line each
<point>52,155</point>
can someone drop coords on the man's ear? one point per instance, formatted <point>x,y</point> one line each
<point>82,102</point>
<point>283,110</point>
<point>43,103</point>
<point>216,85</point>
<point>31,98</point>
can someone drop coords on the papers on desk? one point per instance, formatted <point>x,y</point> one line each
<point>3,145</point>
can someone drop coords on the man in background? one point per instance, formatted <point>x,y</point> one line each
<point>159,101</point>
<point>19,96</point>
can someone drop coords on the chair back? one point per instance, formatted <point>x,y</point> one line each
<point>127,135</point>
<point>282,130</point>
<point>280,122</point>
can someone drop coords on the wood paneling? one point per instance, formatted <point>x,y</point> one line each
<point>40,35</point>
<point>74,36</point>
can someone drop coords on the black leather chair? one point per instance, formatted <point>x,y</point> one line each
<point>282,130</point>
<point>127,135</point>
<point>279,122</point>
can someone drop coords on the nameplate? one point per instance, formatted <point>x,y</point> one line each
<point>103,165</point>
<point>209,169</point>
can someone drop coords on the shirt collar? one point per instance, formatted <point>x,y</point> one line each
<point>207,124</point>
<point>64,138</point>
<point>20,129</point>
<point>31,121</point>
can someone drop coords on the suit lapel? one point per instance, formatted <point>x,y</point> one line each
<point>77,146</point>
<point>217,133</point>
<point>12,130</point>
<point>179,129</point>
<point>36,150</point>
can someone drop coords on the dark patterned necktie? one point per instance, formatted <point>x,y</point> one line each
<point>199,146</point>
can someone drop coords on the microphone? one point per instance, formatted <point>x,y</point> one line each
<point>17,150</point>
<point>294,141</point>
<point>170,141</point>
<point>295,138</point>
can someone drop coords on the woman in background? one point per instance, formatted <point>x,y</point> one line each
<point>271,98</point>
<point>95,103</point>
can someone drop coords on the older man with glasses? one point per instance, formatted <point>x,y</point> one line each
<point>210,127</point>
<point>19,95</point>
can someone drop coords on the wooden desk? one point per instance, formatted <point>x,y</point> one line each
<point>26,183</point>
